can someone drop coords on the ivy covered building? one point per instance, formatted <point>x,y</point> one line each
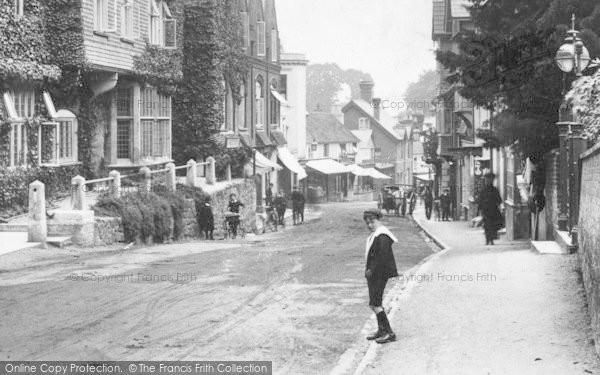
<point>78,56</point>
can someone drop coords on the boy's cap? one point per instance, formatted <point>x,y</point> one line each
<point>373,212</point>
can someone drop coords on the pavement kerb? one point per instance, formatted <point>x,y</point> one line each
<point>441,244</point>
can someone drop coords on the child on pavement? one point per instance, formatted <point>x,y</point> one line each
<point>206,220</point>
<point>381,266</point>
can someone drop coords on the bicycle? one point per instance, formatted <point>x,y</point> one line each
<point>233,220</point>
<point>271,220</point>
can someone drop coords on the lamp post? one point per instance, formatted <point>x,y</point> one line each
<point>572,56</point>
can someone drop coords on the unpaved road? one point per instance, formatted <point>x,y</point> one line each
<point>296,297</point>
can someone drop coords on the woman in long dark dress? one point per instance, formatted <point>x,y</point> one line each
<point>381,266</point>
<point>489,202</point>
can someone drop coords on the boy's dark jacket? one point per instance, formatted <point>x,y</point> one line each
<point>380,259</point>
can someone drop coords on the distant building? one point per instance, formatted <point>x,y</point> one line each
<point>366,114</point>
<point>330,148</point>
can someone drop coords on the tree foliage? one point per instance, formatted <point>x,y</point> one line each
<point>324,82</point>
<point>423,92</point>
<point>508,64</point>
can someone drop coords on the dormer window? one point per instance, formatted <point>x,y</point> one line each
<point>363,123</point>
<point>18,7</point>
<point>261,39</point>
<point>163,27</point>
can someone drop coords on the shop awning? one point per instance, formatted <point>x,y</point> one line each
<point>263,164</point>
<point>358,170</point>
<point>291,162</point>
<point>280,98</point>
<point>378,175</point>
<point>327,166</point>
<point>424,176</point>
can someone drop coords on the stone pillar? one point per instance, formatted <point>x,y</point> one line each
<point>78,193</point>
<point>210,171</point>
<point>171,181</point>
<point>191,173</point>
<point>115,184</point>
<point>37,229</point>
<point>228,172</point>
<point>147,185</point>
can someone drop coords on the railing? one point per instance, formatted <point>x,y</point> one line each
<point>80,185</point>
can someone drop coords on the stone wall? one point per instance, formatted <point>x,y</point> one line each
<point>549,216</point>
<point>107,231</point>
<point>245,189</point>
<point>589,235</point>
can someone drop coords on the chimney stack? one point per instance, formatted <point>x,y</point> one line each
<point>376,107</point>
<point>366,91</point>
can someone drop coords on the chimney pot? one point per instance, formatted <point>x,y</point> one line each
<point>366,90</point>
<point>376,107</point>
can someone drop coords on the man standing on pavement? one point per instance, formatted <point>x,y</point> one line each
<point>428,199</point>
<point>381,266</point>
<point>234,213</point>
<point>489,201</point>
<point>445,203</point>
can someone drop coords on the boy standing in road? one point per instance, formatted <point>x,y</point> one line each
<point>381,266</point>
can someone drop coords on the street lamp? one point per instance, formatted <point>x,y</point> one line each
<point>573,55</point>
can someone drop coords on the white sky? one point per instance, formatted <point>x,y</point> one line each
<point>390,39</point>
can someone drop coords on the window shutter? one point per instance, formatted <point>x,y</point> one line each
<point>111,16</point>
<point>170,30</point>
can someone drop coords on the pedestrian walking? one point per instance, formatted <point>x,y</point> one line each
<point>298,206</point>
<point>445,203</point>
<point>206,219</point>
<point>269,195</point>
<point>380,266</point>
<point>428,200</point>
<point>412,202</point>
<point>280,206</point>
<point>489,202</point>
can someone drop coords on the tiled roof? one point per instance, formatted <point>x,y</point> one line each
<point>325,128</point>
<point>458,8</point>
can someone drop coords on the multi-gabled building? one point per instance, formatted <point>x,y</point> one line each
<point>458,120</point>
<point>366,114</point>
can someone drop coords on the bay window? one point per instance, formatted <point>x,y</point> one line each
<point>155,123</point>
<point>56,140</point>
<point>124,122</point>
